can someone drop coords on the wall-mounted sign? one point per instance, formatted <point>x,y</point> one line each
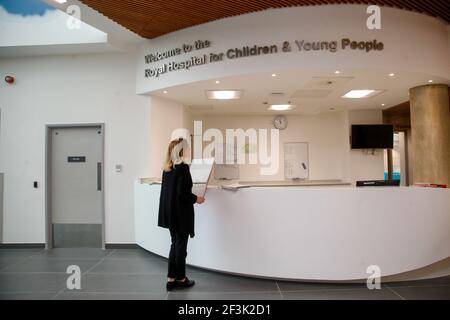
<point>76,159</point>
<point>247,51</point>
<point>185,48</point>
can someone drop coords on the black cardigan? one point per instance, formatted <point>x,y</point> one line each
<point>176,201</point>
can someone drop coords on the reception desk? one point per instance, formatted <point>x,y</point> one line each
<point>314,233</point>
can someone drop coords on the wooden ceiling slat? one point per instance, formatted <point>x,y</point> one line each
<point>441,5</point>
<point>422,7</point>
<point>410,5</point>
<point>443,8</point>
<point>153,18</point>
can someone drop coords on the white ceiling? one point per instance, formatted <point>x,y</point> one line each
<point>311,91</point>
<point>40,31</point>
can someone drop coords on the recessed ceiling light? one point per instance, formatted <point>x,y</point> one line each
<point>61,1</point>
<point>337,72</point>
<point>358,94</point>
<point>280,107</point>
<point>430,81</point>
<point>274,74</point>
<point>382,104</point>
<point>217,81</point>
<point>165,91</point>
<point>223,94</point>
<point>391,74</point>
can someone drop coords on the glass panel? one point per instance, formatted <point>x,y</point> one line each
<point>396,160</point>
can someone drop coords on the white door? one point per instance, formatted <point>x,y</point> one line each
<point>76,186</point>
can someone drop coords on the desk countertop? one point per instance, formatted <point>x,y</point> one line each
<point>275,183</point>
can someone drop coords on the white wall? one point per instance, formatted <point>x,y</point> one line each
<point>330,156</point>
<point>71,89</point>
<point>166,117</point>
<point>326,134</point>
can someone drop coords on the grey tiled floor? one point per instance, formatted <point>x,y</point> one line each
<point>137,274</point>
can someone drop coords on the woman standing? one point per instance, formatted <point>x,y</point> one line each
<point>176,211</point>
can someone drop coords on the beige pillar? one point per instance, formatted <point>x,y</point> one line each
<point>430,125</point>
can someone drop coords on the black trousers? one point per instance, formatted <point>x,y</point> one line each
<point>177,255</point>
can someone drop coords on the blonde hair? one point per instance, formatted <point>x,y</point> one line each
<point>174,153</point>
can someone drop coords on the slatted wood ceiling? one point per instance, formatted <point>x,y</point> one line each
<point>153,18</point>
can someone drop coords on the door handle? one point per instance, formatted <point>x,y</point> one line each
<point>99,176</point>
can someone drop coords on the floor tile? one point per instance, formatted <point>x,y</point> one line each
<point>27,296</point>
<point>19,253</point>
<point>135,266</point>
<point>186,294</point>
<point>424,293</point>
<point>120,274</point>
<point>132,253</point>
<point>195,270</point>
<point>31,282</point>
<point>74,253</point>
<point>298,286</point>
<point>7,262</point>
<point>420,283</point>
<point>344,294</point>
<point>123,283</point>
<point>110,296</point>
<point>227,283</point>
<point>50,265</point>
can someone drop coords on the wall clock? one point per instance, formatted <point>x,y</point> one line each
<point>280,122</point>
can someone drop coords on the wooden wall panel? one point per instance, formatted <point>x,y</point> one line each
<point>399,116</point>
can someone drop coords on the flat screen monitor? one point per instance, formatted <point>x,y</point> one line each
<point>372,136</point>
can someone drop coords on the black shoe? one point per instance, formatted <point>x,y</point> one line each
<point>186,283</point>
<point>171,285</point>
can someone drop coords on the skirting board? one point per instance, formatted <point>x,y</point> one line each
<point>42,246</point>
<point>22,245</point>
<point>122,246</point>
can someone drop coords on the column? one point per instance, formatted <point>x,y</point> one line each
<point>430,126</point>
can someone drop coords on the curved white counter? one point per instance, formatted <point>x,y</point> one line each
<point>307,233</point>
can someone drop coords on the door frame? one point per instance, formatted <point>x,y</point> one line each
<point>48,176</point>
<point>390,159</point>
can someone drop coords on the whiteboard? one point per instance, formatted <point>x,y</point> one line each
<point>226,171</point>
<point>296,160</point>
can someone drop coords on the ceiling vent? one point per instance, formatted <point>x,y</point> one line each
<point>314,93</point>
<point>200,108</point>
<point>320,87</point>
<point>326,82</point>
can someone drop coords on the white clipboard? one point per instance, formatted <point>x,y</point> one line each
<point>201,172</point>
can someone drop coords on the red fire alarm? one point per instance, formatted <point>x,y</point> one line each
<point>9,79</point>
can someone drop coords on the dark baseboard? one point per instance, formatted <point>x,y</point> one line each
<point>22,245</point>
<point>121,246</point>
<point>42,246</point>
